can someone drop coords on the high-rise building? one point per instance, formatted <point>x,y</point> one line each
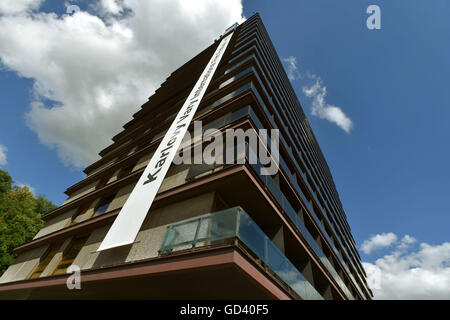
<point>213,230</point>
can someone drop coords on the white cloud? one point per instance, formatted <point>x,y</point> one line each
<point>405,273</point>
<point>18,6</point>
<point>3,160</point>
<point>100,66</point>
<point>406,242</point>
<point>111,6</point>
<point>322,109</point>
<point>378,241</point>
<point>292,69</point>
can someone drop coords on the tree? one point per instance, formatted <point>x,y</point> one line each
<point>43,205</point>
<point>5,181</point>
<point>20,217</point>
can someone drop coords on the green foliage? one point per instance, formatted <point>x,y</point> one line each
<point>5,181</point>
<point>20,217</point>
<point>43,205</point>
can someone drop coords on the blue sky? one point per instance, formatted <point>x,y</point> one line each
<point>391,169</point>
<point>29,162</point>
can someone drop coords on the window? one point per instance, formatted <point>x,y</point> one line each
<point>81,210</point>
<point>232,95</point>
<point>103,181</point>
<point>70,254</point>
<point>126,171</point>
<point>103,205</point>
<point>45,260</point>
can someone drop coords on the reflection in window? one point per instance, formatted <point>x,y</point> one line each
<point>103,205</point>
<point>240,63</point>
<point>236,77</point>
<point>70,254</point>
<point>232,95</point>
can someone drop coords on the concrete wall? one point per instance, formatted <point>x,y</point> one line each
<point>102,167</point>
<point>56,223</point>
<point>121,197</point>
<point>147,244</point>
<point>89,212</point>
<point>143,161</point>
<point>114,176</point>
<point>81,192</point>
<point>87,256</point>
<point>149,238</point>
<point>61,221</point>
<point>175,177</point>
<point>24,265</point>
<point>56,259</point>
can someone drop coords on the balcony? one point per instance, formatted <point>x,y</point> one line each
<point>350,254</point>
<point>235,224</point>
<point>196,171</point>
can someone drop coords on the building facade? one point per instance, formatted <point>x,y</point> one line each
<point>214,231</point>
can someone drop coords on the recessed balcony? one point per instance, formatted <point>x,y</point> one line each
<point>235,224</point>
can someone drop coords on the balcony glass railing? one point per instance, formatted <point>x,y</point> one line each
<point>254,47</point>
<point>236,77</point>
<point>287,207</point>
<point>235,223</point>
<point>307,203</point>
<point>197,170</point>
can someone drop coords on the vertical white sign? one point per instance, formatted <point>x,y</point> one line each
<point>128,223</point>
